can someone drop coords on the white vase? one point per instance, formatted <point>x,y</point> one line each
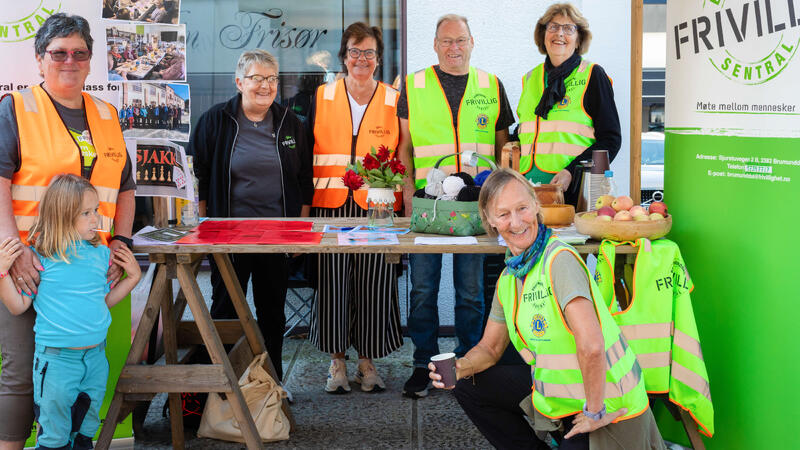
<point>380,207</point>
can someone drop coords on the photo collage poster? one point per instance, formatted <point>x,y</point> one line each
<point>146,56</point>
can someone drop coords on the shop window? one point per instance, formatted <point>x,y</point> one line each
<point>304,36</point>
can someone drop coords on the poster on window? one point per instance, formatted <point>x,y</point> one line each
<point>152,11</point>
<point>155,110</point>
<point>146,52</point>
<point>161,170</point>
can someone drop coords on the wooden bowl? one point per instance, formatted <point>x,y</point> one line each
<point>622,231</point>
<point>558,215</point>
<point>549,194</point>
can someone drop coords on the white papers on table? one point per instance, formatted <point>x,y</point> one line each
<point>337,229</point>
<point>139,239</point>
<point>367,238</point>
<point>445,240</point>
<point>570,235</point>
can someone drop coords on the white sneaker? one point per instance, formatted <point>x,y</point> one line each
<point>368,377</point>
<point>337,378</point>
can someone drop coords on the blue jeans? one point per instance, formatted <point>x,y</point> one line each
<point>423,320</point>
<point>68,389</point>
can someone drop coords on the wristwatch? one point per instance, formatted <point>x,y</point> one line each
<point>594,416</point>
<point>125,240</point>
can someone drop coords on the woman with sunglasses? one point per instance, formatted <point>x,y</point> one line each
<point>567,107</point>
<point>356,302</point>
<point>45,130</point>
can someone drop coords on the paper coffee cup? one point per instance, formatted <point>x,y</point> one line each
<point>446,367</point>
<point>600,162</point>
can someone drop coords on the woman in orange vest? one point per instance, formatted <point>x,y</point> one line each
<point>356,303</point>
<point>53,128</point>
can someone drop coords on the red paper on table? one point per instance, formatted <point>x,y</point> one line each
<point>208,237</point>
<point>255,225</point>
<point>278,238</point>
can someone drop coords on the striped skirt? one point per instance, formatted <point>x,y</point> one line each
<point>357,300</point>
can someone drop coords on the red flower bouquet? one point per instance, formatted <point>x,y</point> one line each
<point>379,169</point>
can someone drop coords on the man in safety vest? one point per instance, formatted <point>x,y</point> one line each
<point>447,109</point>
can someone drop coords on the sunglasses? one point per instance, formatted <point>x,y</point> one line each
<point>61,55</point>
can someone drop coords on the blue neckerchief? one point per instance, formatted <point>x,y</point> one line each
<point>520,265</point>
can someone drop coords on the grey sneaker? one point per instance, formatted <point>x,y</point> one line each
<point>337,378</point>
<point>368,377</point>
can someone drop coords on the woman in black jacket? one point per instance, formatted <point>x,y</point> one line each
<point>251,160</point>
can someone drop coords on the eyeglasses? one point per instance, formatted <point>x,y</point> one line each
<point>272,80</point>
<point>61,55</point>
<point>356,53</point>
<point>569,28</point>
<point>460,42</point>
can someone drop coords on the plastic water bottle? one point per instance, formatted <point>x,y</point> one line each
<point>190,212</point>
<point>610,186</point>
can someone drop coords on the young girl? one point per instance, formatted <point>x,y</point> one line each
<point>72,317</point>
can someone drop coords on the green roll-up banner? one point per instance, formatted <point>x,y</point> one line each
<point>732,183</point>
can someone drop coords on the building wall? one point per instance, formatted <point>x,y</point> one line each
<point>503,32</point>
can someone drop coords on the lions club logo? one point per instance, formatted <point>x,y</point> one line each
<point>539,325</point>
<point>482,120</point>
<point>564,102</point>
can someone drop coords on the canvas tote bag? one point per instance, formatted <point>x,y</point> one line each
<point>264,399</point>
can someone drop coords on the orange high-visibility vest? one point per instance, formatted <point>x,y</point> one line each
<point>46,148</point>
<point>333,137</point>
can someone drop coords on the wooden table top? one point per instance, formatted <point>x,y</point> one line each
<point>329,243</point>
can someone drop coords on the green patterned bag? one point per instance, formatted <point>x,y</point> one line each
<point>446,217</point>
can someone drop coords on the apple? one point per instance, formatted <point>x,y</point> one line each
<point>638,210</point>
<point>604,218</point>
<point>658,207</point>
<point>604,200</point>
<point>590,215</point>
<point>641,217</point>
<point>656,216</point>
<point>606,211</point>
<point>622,203</point>
<point>623,216</point>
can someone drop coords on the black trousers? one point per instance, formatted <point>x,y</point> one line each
<point>492,404</point>
<point>270,275</point>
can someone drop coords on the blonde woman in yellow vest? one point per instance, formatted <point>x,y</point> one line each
<point>357,298</point>
<point>51,128</point>
<point>582,383</point>
<point>566,109</point>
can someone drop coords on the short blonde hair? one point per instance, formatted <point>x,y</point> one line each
<point>256,56</point>
<point>491,190</point>
<point>566,10</point>
<point>53,234</point>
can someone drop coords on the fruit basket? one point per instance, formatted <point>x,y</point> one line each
<point>616,230</point>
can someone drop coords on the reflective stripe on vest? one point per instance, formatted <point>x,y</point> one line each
<point>554,142</point>
<point>333,135</point>
<point>47,148</point>
<point>431,122</point>
<point>536,324</point>
<point>659,324</point>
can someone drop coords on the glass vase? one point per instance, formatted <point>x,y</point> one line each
<point>380,207</point>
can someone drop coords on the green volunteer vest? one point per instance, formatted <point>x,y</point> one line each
<point>659,323</point>
<point>536,324</point>
<point>549,145</point>
<point>430,121</point>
